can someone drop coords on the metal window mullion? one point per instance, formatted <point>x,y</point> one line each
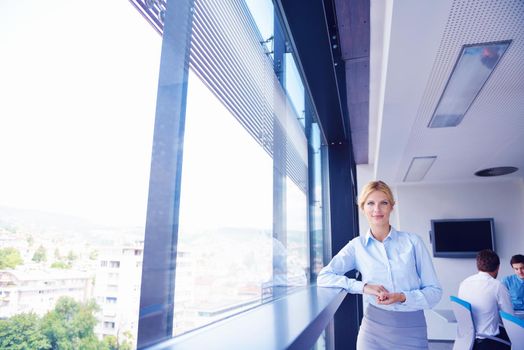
<point>161,234</point>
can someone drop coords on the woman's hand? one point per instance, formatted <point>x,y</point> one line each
<point>377,290</point>
<point>391,298</point>
<point>384,297</point>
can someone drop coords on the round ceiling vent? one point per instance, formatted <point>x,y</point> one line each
<point>501,170</point>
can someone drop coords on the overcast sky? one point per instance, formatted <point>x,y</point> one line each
<point>78,81</point>
<point>78,87</point>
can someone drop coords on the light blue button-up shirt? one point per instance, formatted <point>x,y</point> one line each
<point>401,263</point>
<point>515,286</point>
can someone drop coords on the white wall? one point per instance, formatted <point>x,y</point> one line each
<point>502,200</point>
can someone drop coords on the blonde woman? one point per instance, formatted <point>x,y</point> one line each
<point>398,277</point>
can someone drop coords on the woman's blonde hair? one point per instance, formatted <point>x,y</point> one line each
<point>375,186</point>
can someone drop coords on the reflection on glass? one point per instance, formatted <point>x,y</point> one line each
<point>242,233</point>
<point>297,235</point>
<point>225,242</point>
<point>228,259</point>
<point>75,142</point>
<point>294,86</point>
<point>321,342</point>
<point>472,70</point>
<point>315,210</point>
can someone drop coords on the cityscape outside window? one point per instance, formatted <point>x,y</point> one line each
<point>78,87</point>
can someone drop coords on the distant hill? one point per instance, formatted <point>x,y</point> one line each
<point>54,226</point>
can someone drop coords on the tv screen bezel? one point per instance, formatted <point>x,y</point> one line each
<point>462,254</point>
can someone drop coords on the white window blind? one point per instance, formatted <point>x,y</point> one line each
<point>227,54</point>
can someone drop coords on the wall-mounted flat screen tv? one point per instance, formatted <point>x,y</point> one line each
<point>461,238</point>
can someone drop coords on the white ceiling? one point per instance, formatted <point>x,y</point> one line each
<point>414,46</point>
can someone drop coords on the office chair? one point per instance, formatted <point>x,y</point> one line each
<point>465,339</point>
<point>515,328</point>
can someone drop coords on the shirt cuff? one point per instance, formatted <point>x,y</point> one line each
<point>405,302</point>
<point>357,287</point>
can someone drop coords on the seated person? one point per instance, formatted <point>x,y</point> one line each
<point>487,296</point>
<point>515,283</point>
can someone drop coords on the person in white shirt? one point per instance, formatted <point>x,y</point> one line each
<point>398,277</point>
<point>487,296</point>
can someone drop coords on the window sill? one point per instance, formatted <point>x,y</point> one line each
<point>291,322</point>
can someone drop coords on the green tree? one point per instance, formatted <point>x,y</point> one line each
<point>10,258</point>
<point>111,342</point>
<point>71,256</point>
<point>22,332</point>
<point>30,240</point>
<point>57,254</point>
<point>60,265</point>
<point>40,255</point>
<point>70,326</point>
<point>127,344</point>
<point>93,255</point>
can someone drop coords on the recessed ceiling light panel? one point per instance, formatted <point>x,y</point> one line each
<point>473,68</point>
<point>418,168</point>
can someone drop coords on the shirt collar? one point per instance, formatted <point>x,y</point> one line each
<point>391,235</point>
<point>486,274</point>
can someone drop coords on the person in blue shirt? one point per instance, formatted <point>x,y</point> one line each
<point>515,283</point>
<point>398,277</point>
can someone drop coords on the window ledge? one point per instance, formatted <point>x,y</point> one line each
<point>292,322</point>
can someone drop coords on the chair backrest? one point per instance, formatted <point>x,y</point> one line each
<point>515,328</point>
<point>465,338</point>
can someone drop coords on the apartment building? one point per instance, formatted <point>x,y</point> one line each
<point>117,290</point>
<point>27,290</point>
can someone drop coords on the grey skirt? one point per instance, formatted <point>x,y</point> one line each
<point>392,330</point>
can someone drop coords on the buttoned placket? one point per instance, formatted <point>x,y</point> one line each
<point>383,248</point>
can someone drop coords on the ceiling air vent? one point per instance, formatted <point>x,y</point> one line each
<point>501,170</point>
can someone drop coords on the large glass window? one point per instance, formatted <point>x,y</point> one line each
<point>242,231</point>
<point>241,227</point>
<point>228,224</point>
<point>263,14</point>
<point>316,208</point>
<point>294,86</point>
<point>224,254</point>
<point>297,235</point>
<point>78,85</point>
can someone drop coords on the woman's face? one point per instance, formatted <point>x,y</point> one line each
<point>377,208</point>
